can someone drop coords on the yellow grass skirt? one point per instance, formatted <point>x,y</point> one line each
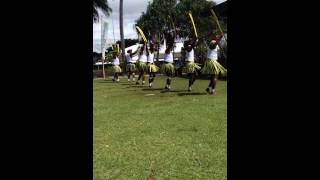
<point>131,67</point>
<point>167,68</point>
<point>191,67</point>
<point>213,67</point>
<point>116,69</point>
<point>152,68</point>
<point>142,66</point>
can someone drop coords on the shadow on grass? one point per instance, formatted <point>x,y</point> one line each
<point>138,86</point>
<point>126,84</point>
<point>133,85</point>
<point>107,81</point>
<point>152,89</point>
<point>171,91</point>
<point>190,94</point>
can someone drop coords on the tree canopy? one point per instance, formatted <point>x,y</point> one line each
<point>103,6</point>
<point>172,16</point>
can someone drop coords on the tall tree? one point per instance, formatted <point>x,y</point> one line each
<point>103,6</point>
<point>159,13</point>
<point>155,21</point>
<point>121,31</point>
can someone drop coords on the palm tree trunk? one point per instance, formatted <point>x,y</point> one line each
<point>121,31</point>
<point>102,53</point>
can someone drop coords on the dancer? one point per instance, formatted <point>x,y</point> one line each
<point>131,65</point>
<point>115,67</point>
<point>167,68</point>
<point>190,66</point>
<point>152,68</point>
<point>213,67</point>
<point>141,64</point>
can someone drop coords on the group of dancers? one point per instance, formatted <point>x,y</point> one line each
<point>145,65</point>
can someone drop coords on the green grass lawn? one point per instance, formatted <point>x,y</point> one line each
<point>141,132</point>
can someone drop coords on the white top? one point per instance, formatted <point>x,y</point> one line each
<point>150,58</point>
<point>143,57</point>
<point>168,57</point>
<point>129,59</point>
<point>116,61</point>
<point>190,56</point>
<point>213,53</point>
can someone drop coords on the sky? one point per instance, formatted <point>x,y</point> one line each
<point>132,11</point>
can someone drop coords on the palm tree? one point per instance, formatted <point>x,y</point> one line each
<point>102,5</point>
<point>121,30</point>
